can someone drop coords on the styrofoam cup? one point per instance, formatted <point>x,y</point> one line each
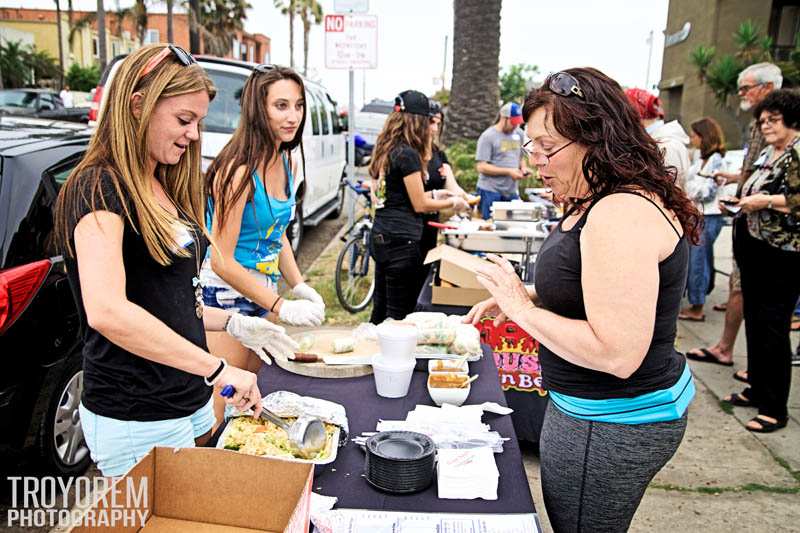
<point>397,341</point>
<point>392,377</point>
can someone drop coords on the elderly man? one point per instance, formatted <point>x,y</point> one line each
<point>500,164</point>
<point>755,83</point>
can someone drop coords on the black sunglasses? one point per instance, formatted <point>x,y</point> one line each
<point>263,68</point>
<point>183,57</point>
<point>565,84</point>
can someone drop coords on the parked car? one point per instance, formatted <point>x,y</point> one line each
<point>319,185</point>
<point>42,103</point>
<point>369,121</point>
<point>40,329</point>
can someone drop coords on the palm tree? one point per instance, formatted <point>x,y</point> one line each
<point>140,15</point>
<point>194,26</point>
<point>289,9</point>
<point>219,20</point>
<point>476,60</point>
<point>170,31</point>
<point>308,10</point>
<point>101,35</point>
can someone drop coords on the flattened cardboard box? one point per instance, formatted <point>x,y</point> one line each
<point>456,283</point>
<point>207,490</point>
<point>456,266</point>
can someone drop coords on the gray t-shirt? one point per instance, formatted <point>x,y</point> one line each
<point>502,150</point>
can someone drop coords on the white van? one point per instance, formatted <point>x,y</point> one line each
<point>319,184</point>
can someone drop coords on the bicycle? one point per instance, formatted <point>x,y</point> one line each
<point>354,277</point>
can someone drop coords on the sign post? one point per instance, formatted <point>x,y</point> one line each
<point>351,42</point>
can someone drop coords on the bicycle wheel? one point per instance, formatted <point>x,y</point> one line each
<point>355,276</point>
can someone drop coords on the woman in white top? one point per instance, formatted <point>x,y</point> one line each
<point>703,189</point>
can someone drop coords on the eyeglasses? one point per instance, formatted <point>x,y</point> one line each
<point>565,84</point>
<point>744,89</point>
<point>540,158</point>
<point>769,120</point>
<point>183,57</point>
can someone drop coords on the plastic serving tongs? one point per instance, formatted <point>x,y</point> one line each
<point>306,433</point>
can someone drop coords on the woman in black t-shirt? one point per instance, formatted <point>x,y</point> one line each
<point>440,176</point>
<point>130,222</point>
<point>399,165</point>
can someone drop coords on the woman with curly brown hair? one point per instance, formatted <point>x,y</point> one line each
<point>608,287</point>
<point>399,162</point>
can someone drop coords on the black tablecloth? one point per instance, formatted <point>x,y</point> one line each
<point>343,478</point>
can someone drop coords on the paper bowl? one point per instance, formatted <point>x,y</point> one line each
<point>448,365</point>
<point>452,395</point>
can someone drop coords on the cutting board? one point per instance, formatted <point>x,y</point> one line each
<point>323,346</point>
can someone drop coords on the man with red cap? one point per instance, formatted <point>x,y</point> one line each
<point>499,159</point>
<point>670,136</point>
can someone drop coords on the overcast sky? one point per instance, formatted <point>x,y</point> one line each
<point>610,35</point>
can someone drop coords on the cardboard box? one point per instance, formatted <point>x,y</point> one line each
<point>456,266</point>
<point>456,282</point>
<point>207,490</point>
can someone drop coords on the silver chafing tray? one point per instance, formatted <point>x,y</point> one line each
<point>519,210</point>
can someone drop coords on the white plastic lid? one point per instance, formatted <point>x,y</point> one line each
<point>396,331</point>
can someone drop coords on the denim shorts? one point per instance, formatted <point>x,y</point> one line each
<point>117,445</point>
<point>229,299</point>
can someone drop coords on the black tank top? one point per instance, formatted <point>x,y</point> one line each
<point>558,285</point>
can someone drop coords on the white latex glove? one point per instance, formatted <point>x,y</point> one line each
<point>441,194</point>
<point>459,204</point>
<point>261,336</point>
<point>305,291</point>
<point>302,313</point>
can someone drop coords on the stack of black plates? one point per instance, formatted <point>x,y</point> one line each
<point>400,461</point>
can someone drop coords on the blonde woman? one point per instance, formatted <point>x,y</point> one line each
<point>130,220</point>
<point>399,165</point>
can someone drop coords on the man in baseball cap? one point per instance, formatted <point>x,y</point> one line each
<point>500,164</point>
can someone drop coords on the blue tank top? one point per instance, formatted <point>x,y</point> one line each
<point>264,221</point>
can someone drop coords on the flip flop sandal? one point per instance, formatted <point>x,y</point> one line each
<point>767,426</point>
<point>720,307</point>
<point>739,377</point>
<point>738,399</point>
<point>706,357</point>
<point>690,318</point>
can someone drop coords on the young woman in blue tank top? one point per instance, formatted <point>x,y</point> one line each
<point>251,201</point>
<point>608,287</point>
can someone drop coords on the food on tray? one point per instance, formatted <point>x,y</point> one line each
<point>431,349</point>
<point>344,344</point>
<point>448,365</point>
<point>442,335</point>
<point>448,381</point>
<point>489,226</point>
<point>467,340</point>
<point>306,341</point>
<point>246,434</point>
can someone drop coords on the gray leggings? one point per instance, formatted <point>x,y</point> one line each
<point>594,474</point>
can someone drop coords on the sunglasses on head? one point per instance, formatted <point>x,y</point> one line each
<point>565,84</point>
<point>183,57</point>
<point>263,68</point>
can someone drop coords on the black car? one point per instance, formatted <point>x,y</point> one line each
<point>40,340</point>
<point>39,103</point>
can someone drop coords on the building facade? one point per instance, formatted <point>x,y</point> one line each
<point>692,23</point>
<point>80,40</point>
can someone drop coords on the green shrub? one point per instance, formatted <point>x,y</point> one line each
<point>461,155</point>
<point>82,78</point>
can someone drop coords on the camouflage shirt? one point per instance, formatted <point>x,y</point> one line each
<point>752,150</point>
<point>781,176</point>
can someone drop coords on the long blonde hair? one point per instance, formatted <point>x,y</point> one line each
<point>408,128</point>
<point>119,148</point>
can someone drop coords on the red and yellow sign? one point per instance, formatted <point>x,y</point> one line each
<point>516,355</point>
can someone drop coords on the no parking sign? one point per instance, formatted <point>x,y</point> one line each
<point>351,41</point>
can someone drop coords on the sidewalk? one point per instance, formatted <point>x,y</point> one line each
<point>723,477</point>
